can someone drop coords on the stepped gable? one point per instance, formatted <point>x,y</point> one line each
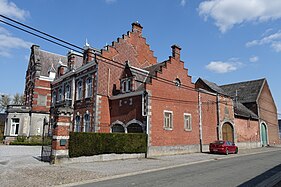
<point>131,47</point>
<point>247,92</point>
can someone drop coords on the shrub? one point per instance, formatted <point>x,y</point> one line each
<point>88,144</point>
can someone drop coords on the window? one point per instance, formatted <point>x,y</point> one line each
<point>86,123</point>
<point>168,119</point>
<point>54,97</point>
<point>126,85</point>
<point>60,95</point>
<point>15,126</point>
<point>177,82</point>
<point>117,128</point>
<point>77,124</point>
<point>67,94</point>
<point>79,90</point>
<point>89,87</point>
<point>187,122</point>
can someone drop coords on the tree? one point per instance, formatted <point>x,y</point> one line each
<point>5,100</point>
<point>18,99</point>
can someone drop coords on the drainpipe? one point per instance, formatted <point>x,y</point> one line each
<point>218,116</point>
<point>200,120</point>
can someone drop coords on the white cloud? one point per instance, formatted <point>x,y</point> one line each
<point>10,9</point>
<point>183,2</point>
<point>9,42</point>
<point>223,67</point>
<point>110,1</point>
<point>254,59</point>
<point>273,40</point>
<point>227,13</point>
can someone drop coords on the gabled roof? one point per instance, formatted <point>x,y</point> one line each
<point>212,86</point>
<point>47,60</point>
<point>247,91</point>
<point>242,111</point>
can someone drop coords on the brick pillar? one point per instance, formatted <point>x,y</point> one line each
<point>61,128</point>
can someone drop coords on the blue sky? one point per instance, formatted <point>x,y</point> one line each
<point>223,41</point>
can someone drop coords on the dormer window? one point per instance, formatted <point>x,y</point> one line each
<point>126,85</point>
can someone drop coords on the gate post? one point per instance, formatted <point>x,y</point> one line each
<point>61,128</point>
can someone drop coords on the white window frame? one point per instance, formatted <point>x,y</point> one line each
<point>67,94</point>
<point>89,87</point>
<point>126,85</point>
<point>14,126</point>
<point>77,125</point>
<point>168,120</point>
<point>187,120</point>
<point>87,123</point>
<point>79,91</point>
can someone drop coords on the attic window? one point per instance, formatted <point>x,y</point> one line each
<point>177,82</point>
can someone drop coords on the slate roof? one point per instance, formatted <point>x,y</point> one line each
<point>247,92</point>
<point>154,69</point>
<point>241,110</point>
<point>48,60</point>
<point>213,86</point>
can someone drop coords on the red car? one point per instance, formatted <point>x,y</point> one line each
<point>222,146</point>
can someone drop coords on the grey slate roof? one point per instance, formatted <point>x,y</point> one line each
<point>48,60</point>
<point>247,92</point>
<point>156,68</point>
<point>213,86</point>
<point>241,110</point>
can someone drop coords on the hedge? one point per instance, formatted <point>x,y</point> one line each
<point>89,144</point>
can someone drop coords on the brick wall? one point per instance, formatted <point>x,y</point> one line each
<point>268,114</point>
<point>209,118</point>
<point>179,100</point>
<point>247,130</point>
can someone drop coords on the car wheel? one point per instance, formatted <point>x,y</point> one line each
<point>236,150</point>
<point>226,152</point>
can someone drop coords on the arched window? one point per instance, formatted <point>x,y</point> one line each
<point>86,123</point>
<point>79,90</point>
<point>77,124</point>
<point>134,128</point>
<point>67,94</point>
<point>89,87</point>
<point>117,128</point>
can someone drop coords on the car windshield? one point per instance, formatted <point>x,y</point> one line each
<point>218,142</point>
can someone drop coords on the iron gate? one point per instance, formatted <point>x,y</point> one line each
<point>46,142</point>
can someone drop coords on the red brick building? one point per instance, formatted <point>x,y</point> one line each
<point>123,88</point>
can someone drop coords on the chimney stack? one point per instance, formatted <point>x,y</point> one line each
<point>176,51</point>
<point>137,28</point>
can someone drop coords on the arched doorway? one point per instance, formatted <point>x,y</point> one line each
<point>263,135</point>
<point>227,132</point>
<point>134,128</point>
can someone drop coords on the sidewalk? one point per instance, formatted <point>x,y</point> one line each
<point>28,171</point>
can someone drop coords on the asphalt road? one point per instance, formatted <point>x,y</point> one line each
<point>249,170</point>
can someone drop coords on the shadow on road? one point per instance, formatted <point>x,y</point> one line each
<point>264,176</point>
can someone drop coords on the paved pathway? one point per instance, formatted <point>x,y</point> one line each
<point>19,166</point>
